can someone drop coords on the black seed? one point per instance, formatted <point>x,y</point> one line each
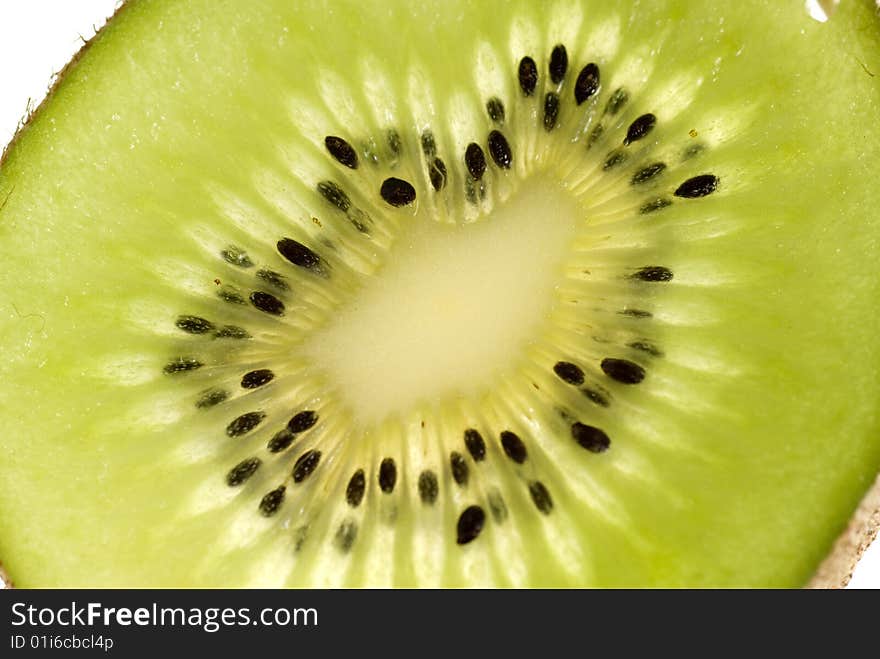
<point>495,108</point>
<point>359,219</point>
<point>473,440</point>
<point>334,194</point>
<point>369,150</point>
<point>270,503</point>
<point>558,64</point>
<point>459,468</point>
<point>305,465</point>
<point>299,537</point>
<point>354,493</point>
<point>194,324</point>
<point>616,101</point>
<point>342,151</point>
<point>236,256</point>
<point>698,186</point>
<point>470,523</point>
<point>647,173</point>
<point>692,150</point>
<point>299,254</point>
<point>653,273</point>
<point>551,110</point>
<point>230,295</point>
<point>393,141</point>
<point>654,205</point>
<point>245,423</point>
<point>397,192</point>
<point>649,348</point>
<point>596,396</point>
<point>496,505</point>
<point>595,134</point>
<point>267,303</point>
<point>211,397</point>
<point>470,190</point>
<point>615,158</point>
<point>232,332</point>
<point>569,372</point>
<point>635,313</point>
<point>587,83</point>
<point>428,487</point>
<point>499,149</point>
<point>181,365</point>
<point>257,378</point>
<point>437,174</point>
<point>280,441</point>
<point>623,370</point>
<point>242,471</point>
<point>302,421</point>
<point>528,75</point>
<point>387,475</point>
<point>639,128</point>
<point>429,146</point>
<point>590,437</point>
<point>541,497</point>
<point>513,447</point>
<point>475,160</point>
<point>346,534</point>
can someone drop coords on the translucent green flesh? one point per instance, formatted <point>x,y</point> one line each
<point>188,127</point>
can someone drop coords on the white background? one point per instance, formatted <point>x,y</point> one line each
<point>37,37</point>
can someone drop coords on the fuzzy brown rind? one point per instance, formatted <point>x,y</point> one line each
<point>837,568</point>
<point>57,79</point>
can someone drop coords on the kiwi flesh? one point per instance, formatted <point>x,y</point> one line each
<point>451,294</point>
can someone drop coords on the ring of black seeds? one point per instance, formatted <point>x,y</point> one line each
<point>397,193</point>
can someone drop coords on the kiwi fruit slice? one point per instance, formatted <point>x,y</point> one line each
<point>568,293</point>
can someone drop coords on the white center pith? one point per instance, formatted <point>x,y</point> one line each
<point>452,308</point>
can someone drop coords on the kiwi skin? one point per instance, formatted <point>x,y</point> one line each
<point>24,123</point>
<point>834,572</point>
<point>837,568</point>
